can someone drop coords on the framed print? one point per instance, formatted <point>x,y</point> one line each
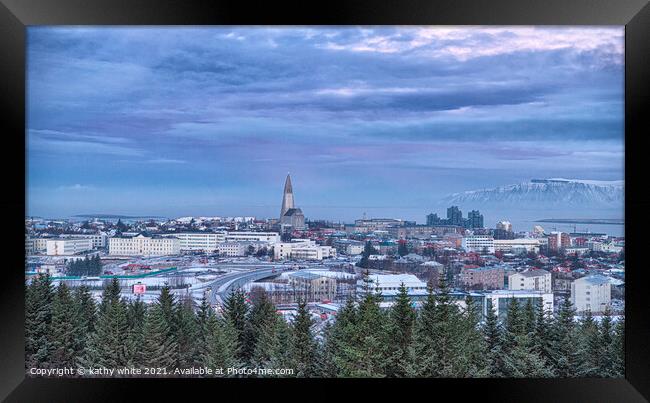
<point>225,194</point>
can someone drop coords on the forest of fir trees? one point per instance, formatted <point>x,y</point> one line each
<point>66,328</point>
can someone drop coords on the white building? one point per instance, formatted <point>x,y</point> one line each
<point>68,246</point>
<point>354,248</point>
<point>141,245</point>
<point>389,284</point>
<point>302,249</point>
<point>35,245</point>
<point>514,245</point>
<point>478,243</point>
<point>591,293</point>
<point>499,300</point>
<point>534,280</point>
<point>98,240</point>
<point>244,236</point>
<point>234,249</point>
<point>607,247</point>
<point>199,241</point>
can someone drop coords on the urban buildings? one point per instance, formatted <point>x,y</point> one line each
<point>591,293</point>
<point>478,243</point>
<point>558,241</point>
<point>388,285</point>
<point>302,249</point>
<point>489,277</point>
<point>243,236</point>
<point>68,246</point>
<point>312,286</point>
<point>199,241</point>
<point>455,217</point>
<point>537,280</point>
<point>141,245</point>
<point>517,246</point>
<point>499,300</point>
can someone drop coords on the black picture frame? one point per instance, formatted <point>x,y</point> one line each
<point>16,15</point>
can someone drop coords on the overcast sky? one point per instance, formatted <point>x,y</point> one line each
<point>208,121</point>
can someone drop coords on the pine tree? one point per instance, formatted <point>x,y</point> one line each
<point>110,295</point>
<point>618,347</point>
<point>106,347</point>
<point>202,317</point>
<point>492,333</point>
<point>543,343</point>
<point>235,313</point>
<point>606,341</point>
<point>590,352</point>
<point>446,335</point>
<point>565,355</point>
<point>422,354</point>
<point>371,326</point>
<point>159,349</point>
<point>38,320</point>
<point>260,324</point>
<point>341,342</point>
<point>280,356</point>
<point>473,357</point>
<point>65,327</point>
<point>303,349</point>
<point>520,360</point>
<point>85,312</point>
<point>187,331</point>
<point>400,333</point>
<point>136,317</point>
<point>222,345</point>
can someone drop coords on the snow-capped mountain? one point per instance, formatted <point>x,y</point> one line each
<point>546,193</point>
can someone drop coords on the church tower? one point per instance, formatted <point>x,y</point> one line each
<point>287,198</point>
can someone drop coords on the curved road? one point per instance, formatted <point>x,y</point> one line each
<point>222,287</point>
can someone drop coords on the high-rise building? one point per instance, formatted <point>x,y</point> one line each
<point>474,219</point>
<point>433,219</point>
<point>290,216</point>
<point>558,240</point>
<point>454,215</point>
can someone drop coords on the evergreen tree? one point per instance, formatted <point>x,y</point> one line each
<point>159,349</point>
<point>65,328</point>
<point>440,332</point>
<point>85,311</point>
<point>543,336</point>
<point>371,327</point>
<point>400,333</point>
<point>136,316</point>
<point>590,351</point>
<point>340,344</point>
<point>473,358</point>
<point>618,353</point>
<point>106,346</point>
<point>520,360</point>
<point>203,326</point>
<point>280,349</point>
<point>303,348</point>
<point>38,320</point>
<point>260,330</point>
<point>565,355</point>
<point>236,313</point>
<point>261,319</point>
<point>222,345</point>
<point>422,355</point>
<point>492,333</point>
<point>187,332</point>
<point>606,341</point>
<point>110,295</point>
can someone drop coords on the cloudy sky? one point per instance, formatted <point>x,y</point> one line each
<point>208,121</point>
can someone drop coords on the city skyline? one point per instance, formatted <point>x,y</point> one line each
<point>207,121</point>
